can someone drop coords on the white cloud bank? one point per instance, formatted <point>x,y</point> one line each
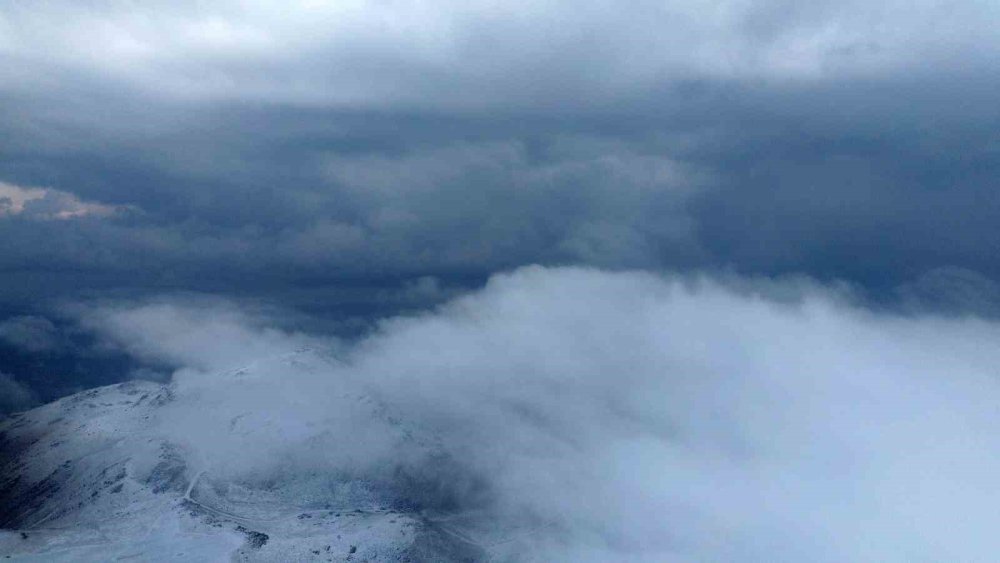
<point>634,417</point>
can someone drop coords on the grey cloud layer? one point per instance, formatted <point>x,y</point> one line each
<point>479,54</point>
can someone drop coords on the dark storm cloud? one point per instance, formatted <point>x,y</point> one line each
<point>875,207</point>
<point>327,158</point>
<point>355,197</point>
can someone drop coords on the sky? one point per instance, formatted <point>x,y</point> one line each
<point>349,161</point>
<point>730,242</point>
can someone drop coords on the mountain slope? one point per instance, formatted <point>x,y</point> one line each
<point>97,476</point>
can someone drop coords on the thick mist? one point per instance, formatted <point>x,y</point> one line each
<point>619,416</point>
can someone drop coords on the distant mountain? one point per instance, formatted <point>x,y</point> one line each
<point>93,477</point>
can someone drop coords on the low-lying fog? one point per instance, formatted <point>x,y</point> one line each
<point>625,416</point>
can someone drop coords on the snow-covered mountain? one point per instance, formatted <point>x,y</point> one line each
<point>121,473</point>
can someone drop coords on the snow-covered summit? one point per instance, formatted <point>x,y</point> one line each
<point>152,472</point>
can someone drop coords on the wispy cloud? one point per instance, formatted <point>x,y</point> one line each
<point>14,396</point>
<point>30,333</point>
<point>50,204</point>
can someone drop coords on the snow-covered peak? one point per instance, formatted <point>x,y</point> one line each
<point>152,472</point>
